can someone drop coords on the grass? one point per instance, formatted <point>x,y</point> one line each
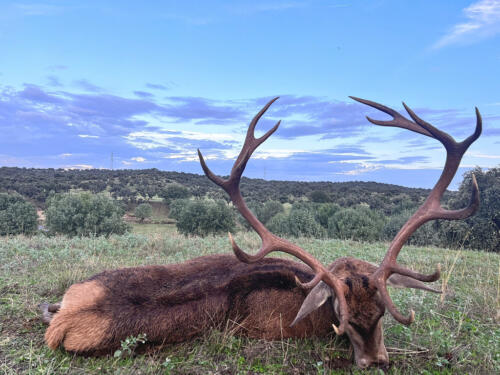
<point>456,335</point>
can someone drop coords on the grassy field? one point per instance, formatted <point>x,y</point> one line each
<point>458,335</point>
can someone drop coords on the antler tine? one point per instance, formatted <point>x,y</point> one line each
<point>216,179</point>
<point>431,209</point>
<point>464,212</point>
<point>270,242</point>
<point>397,121</point>
<point>384,294</point>
<point>251,143</point>
<point>440,135</point>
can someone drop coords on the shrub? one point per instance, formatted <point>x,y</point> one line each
<point>203,217</point>
<point>324,212</point>
<point>483,229</point>
<point>143,211</point>
<point>359,223</point>
<point>268,210</point>
<point>84,214</point>
<point>173,192</point>
<point>299,223</point>
<point>427,234</point>
<point>263,211</point>
<point>16,215</point>
<point>176,207</point>
<point>319,196</point>
<point>279,224</point>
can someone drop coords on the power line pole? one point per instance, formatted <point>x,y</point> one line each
<point>111,160</point>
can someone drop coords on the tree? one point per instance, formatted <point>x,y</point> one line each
<point>16,215</point>
<point>482,231</point>
<point>143,211</point>
<point>204,217</point>
<point>263,211</point>
<point>324,212</point>
<point>359,223</point>
<point>299,223</point>
<point>176,207</point>
<point>426,235</point>
<point>319,196</point>
<point>84,214</point>
<point>173,192</point>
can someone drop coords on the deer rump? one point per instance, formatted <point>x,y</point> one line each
<point>174,303</point>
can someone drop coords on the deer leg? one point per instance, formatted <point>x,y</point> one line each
<point>48,310</point>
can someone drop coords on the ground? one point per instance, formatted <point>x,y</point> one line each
<point>459,334</point>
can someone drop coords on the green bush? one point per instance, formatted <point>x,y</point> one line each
<point>173,192</point>
<point>143,211</point>
<point>299,223</point>
<point>84,214</point>
<point>359,223</point>
<point>319,196</point>
<point>324,212</point>
<point>263,211</point>
<point>16,215</point>
<point>279,224</point>
<point>482,231</point>
<point>427,234</point>
<point>204,217</point>
<point>176,207</point>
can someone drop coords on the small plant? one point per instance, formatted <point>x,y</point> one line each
<point>167,365</point>
<point>129,345</point>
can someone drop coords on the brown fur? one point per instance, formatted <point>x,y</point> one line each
<point>176,302</point>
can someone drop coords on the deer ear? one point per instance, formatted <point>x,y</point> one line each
<point>400,281</point>
<point>316,297</point>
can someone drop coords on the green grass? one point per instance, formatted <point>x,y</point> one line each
<point>456,336</point>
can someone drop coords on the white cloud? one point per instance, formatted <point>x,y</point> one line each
<point>189,156</point>
<point>483,156</point>
<point>87,136</point>
<point>147,140</point>
<point>138,159</point>
<point>79,166</point>
<point>276,154</point>
<point>483,21</point>
<point>66,155</point>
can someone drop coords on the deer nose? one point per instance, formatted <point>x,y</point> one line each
<point>364,362</point>
<point>382,359</point>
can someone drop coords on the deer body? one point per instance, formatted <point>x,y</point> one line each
<point>173,303</point>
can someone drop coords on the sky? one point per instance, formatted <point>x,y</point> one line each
<point>127,84</point>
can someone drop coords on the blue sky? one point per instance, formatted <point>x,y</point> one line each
<point>153,81</point>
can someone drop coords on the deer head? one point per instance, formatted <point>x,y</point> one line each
<point>357,289</point>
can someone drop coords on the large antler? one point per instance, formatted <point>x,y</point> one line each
<point>270,242</point>
<point>431,208</point>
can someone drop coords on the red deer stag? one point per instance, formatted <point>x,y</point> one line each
<point>266,297</point>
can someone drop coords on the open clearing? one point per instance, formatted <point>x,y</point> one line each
<point>456,336</point>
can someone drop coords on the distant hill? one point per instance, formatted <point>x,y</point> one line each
<point>134,185</point>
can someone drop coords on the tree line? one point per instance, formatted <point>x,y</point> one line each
<point>145,184</point>
<point>354,210</point>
